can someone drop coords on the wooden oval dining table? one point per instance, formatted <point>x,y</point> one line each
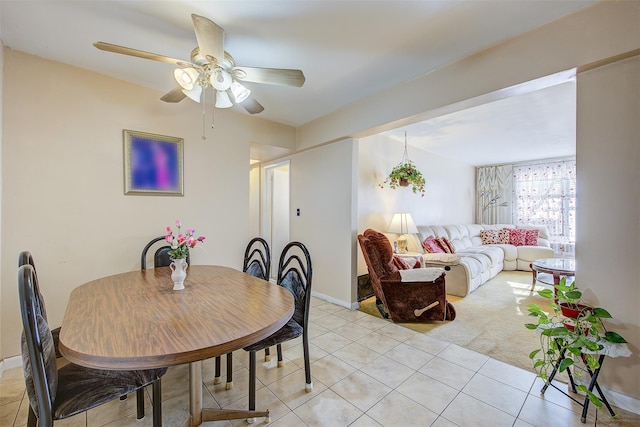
<point>135,320</point>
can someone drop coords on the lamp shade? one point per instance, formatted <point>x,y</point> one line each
<point>240,93</point>
<point>220,79</point>
<point>186,77</point>
<point>222,99</point>
<point>402,223</point>
<point>194,93</point>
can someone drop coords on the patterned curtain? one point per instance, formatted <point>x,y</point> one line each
<point>545,194</point>
<point>493,194</point>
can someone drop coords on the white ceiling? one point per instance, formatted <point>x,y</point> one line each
<point>348,49</point>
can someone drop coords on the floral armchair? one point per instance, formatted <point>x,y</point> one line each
<point>407,296</point>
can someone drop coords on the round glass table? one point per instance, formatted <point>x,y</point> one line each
<point>556,267</point>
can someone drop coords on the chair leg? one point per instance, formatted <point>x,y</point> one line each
<point>280,360</point>
<point>216,377</point>
<point>32,420</point>
<point>252,384</point>
<point>229,371</point>
<point>267,355</point>
<point>157,403</point>
<point>308,387</point>
<point>140,402</point>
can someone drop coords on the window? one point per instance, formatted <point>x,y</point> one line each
<point>545,194</point>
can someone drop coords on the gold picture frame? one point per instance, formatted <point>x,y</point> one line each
<point>153,164</point>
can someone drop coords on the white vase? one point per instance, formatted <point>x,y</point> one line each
<point>178,273</point>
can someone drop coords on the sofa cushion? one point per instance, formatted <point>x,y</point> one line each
<point>431,245</point>
<point>494,237</point>
<point>452,249</point>
<point>400,263</point>
<point>531,237</point>
<point>443,244</point>
<point>517,236</point>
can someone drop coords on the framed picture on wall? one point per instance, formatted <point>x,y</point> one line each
<point>153,164</point>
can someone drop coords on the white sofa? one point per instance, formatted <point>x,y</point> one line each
<point>473,263</point>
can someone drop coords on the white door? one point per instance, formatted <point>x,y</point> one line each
<point>277,211</point>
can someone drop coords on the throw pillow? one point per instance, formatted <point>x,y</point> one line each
<point>452,250</point>
<point>431,245</point>
<point>443,245</point>
<point>400,263</point>
<point>517,236</point>
<point>531,237</point>
<point>489,237</point>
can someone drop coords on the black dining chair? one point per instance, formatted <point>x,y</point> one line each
<point>55,394</point>
<point>161,256</point>
<point>294,274</point>
<point>26,258</point>
<point>257,262</point>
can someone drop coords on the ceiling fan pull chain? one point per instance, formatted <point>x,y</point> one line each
<point>204,106</point>
<point>213,110</point>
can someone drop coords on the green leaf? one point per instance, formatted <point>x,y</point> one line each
<point>614,337</point>
<point>601,313</point>
<point>546,293</point>
<point>594,399</point>
<point>530,326</point>
<point>538,363</point>
<point>574,295</point>
<point>565,364</point>
<point>533,354</point>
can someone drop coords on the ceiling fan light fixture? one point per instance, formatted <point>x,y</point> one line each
<point>222,99</point>
<point>186,77</point>
<point>220,79</point>
<point>239,92</point>
<point>194,93</point>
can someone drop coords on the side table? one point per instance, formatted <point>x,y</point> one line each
<point>555,266</point>
<point>609,349</point>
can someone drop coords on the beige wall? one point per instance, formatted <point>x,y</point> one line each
<point>608,200</point>
<point>1,133</point>
<point>63,179</point>
<point>603,30</point>
<point>323,188</point>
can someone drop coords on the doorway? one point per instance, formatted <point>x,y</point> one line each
<point>276,209</point>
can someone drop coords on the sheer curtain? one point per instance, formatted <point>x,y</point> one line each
<point>493,194</point>
<point>545,194</point>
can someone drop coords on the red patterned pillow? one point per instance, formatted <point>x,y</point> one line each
<point>443,245</point>
<point>400,263</point>
<point>452,250</point>
<point>517,236</point>
<point>531,237</point>
<point>431,245</point>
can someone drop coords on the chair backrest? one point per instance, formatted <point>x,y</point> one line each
<point>378,255</point>
<point>257,258</point>
<point>161,256</point>
<point>25,258</point>
<point>38,353</point>
<point>294,274</point>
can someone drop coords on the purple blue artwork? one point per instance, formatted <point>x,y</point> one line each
<point>154,165</point>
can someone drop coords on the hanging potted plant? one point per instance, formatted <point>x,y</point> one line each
<point>405,174</point>
<point>569,338</point>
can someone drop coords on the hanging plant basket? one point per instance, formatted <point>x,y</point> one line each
<point>405,174</point>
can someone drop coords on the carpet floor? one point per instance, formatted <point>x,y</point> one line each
<point>490,320</point>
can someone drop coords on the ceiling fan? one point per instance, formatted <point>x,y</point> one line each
<point>211,66</point>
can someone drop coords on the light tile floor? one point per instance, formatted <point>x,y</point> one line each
<point>366,372</point>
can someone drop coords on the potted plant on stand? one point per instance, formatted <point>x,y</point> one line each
<point>573,335</point>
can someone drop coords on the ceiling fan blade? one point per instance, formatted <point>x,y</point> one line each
<point>210,37</point>
<point>174,95</point>
<point>140,53</point>
<point>274,76</point>
<point>252,106</point>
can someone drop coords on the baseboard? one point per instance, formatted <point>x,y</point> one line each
<point>327,298</point>
<point>622,401</point>
<point>10,363</point>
